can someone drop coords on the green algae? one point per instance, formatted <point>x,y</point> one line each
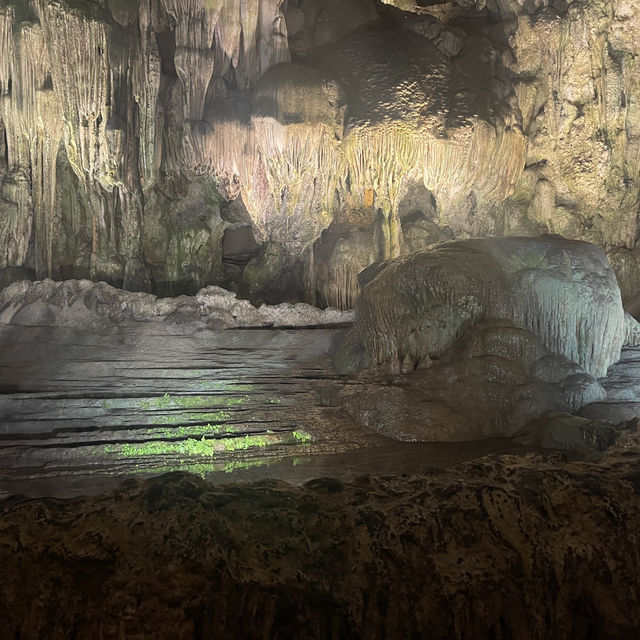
<point>302,436</point>
<point>202,447</point>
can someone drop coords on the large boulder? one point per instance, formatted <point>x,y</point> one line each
<point>562,291</point>
<point>494,332</point>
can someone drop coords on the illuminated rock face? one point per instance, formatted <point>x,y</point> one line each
<point>494,332</point>
<point>133,134</point>
<point>563,292</point>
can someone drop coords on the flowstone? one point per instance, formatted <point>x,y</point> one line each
<point>494,332</point>
<point>84,304</point>
<point>563,291</point>
<point>512,117</point>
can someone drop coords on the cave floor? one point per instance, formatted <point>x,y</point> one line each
<point>81,410</point>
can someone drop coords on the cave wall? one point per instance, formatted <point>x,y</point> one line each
<point>136,136</point>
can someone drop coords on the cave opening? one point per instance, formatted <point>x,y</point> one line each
<point>340,338</point>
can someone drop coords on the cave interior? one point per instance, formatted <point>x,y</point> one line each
<point>318,319</point>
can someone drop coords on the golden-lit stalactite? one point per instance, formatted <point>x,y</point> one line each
<point>110,110</point>
<point>40,107</point>
<point>90,76</point>
<point>17,220</point>
<point>29,107</point>
<point>195,21</point>
<point>146,80</point>
<point>212,37</point>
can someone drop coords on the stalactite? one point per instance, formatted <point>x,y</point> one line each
<point>341,288</point>
<point>32,143</point>
<point>17,151</point>
<point>6,49</point>
<point>39,108</point>
<point>457,166</point>
<point>303,165</point>
<point>287,174</point>
<point>194,59</point>
<point>107,93</point>
<point>147,87</point>
<point>212,36</point>
<point>381,160</point>
<point>15,193</point>
<point>273,45</point>
<point>82,80</point>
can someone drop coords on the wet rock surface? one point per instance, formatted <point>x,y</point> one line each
<point>86,304</point>
<point>516,547</point>
<point>85,402</point>
<point>149,397</point>
<point>622,401</point>
<point>563,292</point>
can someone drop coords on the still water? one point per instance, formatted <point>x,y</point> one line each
<point>82,410</point>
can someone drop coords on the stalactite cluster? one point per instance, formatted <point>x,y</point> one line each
<point>300,117</point>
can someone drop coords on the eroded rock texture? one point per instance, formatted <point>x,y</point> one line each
<point>564,292</point>
<point>490,334</point>
<point>504,547</point>
<point>86,305</point>
<point>135,135</point>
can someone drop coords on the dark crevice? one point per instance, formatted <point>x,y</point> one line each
<point>4,145</point>
<point>166,41</point>
<point>48,83</point>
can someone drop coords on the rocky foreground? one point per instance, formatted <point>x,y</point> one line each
<point>506,547</point>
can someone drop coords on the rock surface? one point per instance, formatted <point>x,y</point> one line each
<point>84,304</point>
<point>468,340</point>
<point>563,292</point>
<point>520,547</point>
<point>478,338</point>
<point>132,135</point>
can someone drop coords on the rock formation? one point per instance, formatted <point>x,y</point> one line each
<point>82,304</point>
<point>504,547</point>
<point>467,340</point>
<point>462,172</point>
<point>493,332</point>
<point>133,135</point>
<point>564,292</point>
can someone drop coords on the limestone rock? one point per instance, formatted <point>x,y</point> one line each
<point>577,83</point>
<point>564,292</point>
<point>572,433</point>
<point>493,333</point>
<point>81,303</point>
<point>506,546</point>
<point>516,118</point>
<point>493,383</point>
